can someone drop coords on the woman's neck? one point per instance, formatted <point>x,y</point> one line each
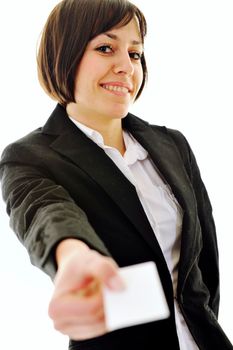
<point>110,129</point>
<point>114,138</point>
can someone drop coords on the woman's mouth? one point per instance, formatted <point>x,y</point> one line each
<point>116,89</point>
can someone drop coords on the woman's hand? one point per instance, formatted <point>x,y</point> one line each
<point>76,307</point>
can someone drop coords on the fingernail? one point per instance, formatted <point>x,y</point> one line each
<point>116,283</point>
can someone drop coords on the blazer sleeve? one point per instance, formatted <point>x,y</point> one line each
<point>42,212</point>
<point>209,255</point>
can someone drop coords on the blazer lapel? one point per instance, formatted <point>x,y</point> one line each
<point>166,157</point>
<point>73,144</point>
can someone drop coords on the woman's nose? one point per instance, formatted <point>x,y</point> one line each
<point>123,64</point>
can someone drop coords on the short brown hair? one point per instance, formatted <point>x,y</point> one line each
<point>69,28</point>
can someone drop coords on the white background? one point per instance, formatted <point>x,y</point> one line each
<point>190,59</point>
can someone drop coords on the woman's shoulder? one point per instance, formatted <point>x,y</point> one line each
<point>176,134</point>
<point>37,140</point>
<point>26,146</point>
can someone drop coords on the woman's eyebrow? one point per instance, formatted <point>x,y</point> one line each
<point>115,37</point>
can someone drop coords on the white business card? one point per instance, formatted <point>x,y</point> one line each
<point>143,299</point>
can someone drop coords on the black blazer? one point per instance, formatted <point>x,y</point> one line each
<point>57,183</point>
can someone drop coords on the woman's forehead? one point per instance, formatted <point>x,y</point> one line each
<point>130,32</point>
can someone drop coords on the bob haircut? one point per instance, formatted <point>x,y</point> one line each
<point>69,28</point>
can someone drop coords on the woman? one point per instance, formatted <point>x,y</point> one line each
<point>96,188</point>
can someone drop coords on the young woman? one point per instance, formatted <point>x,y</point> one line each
<point>97,188</point>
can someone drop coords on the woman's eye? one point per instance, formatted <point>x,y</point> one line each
<point>135,55</point>
<point>109,49</point>
<point>105,49</point>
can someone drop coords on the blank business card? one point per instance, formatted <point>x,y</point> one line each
<point>142,300</point>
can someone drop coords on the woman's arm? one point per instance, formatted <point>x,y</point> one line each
<point>59,238</point>
<point>42,213</point>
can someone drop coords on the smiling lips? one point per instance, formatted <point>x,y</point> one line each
<point>120,89</point>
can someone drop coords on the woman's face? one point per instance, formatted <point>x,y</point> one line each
<point>110,74</point>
